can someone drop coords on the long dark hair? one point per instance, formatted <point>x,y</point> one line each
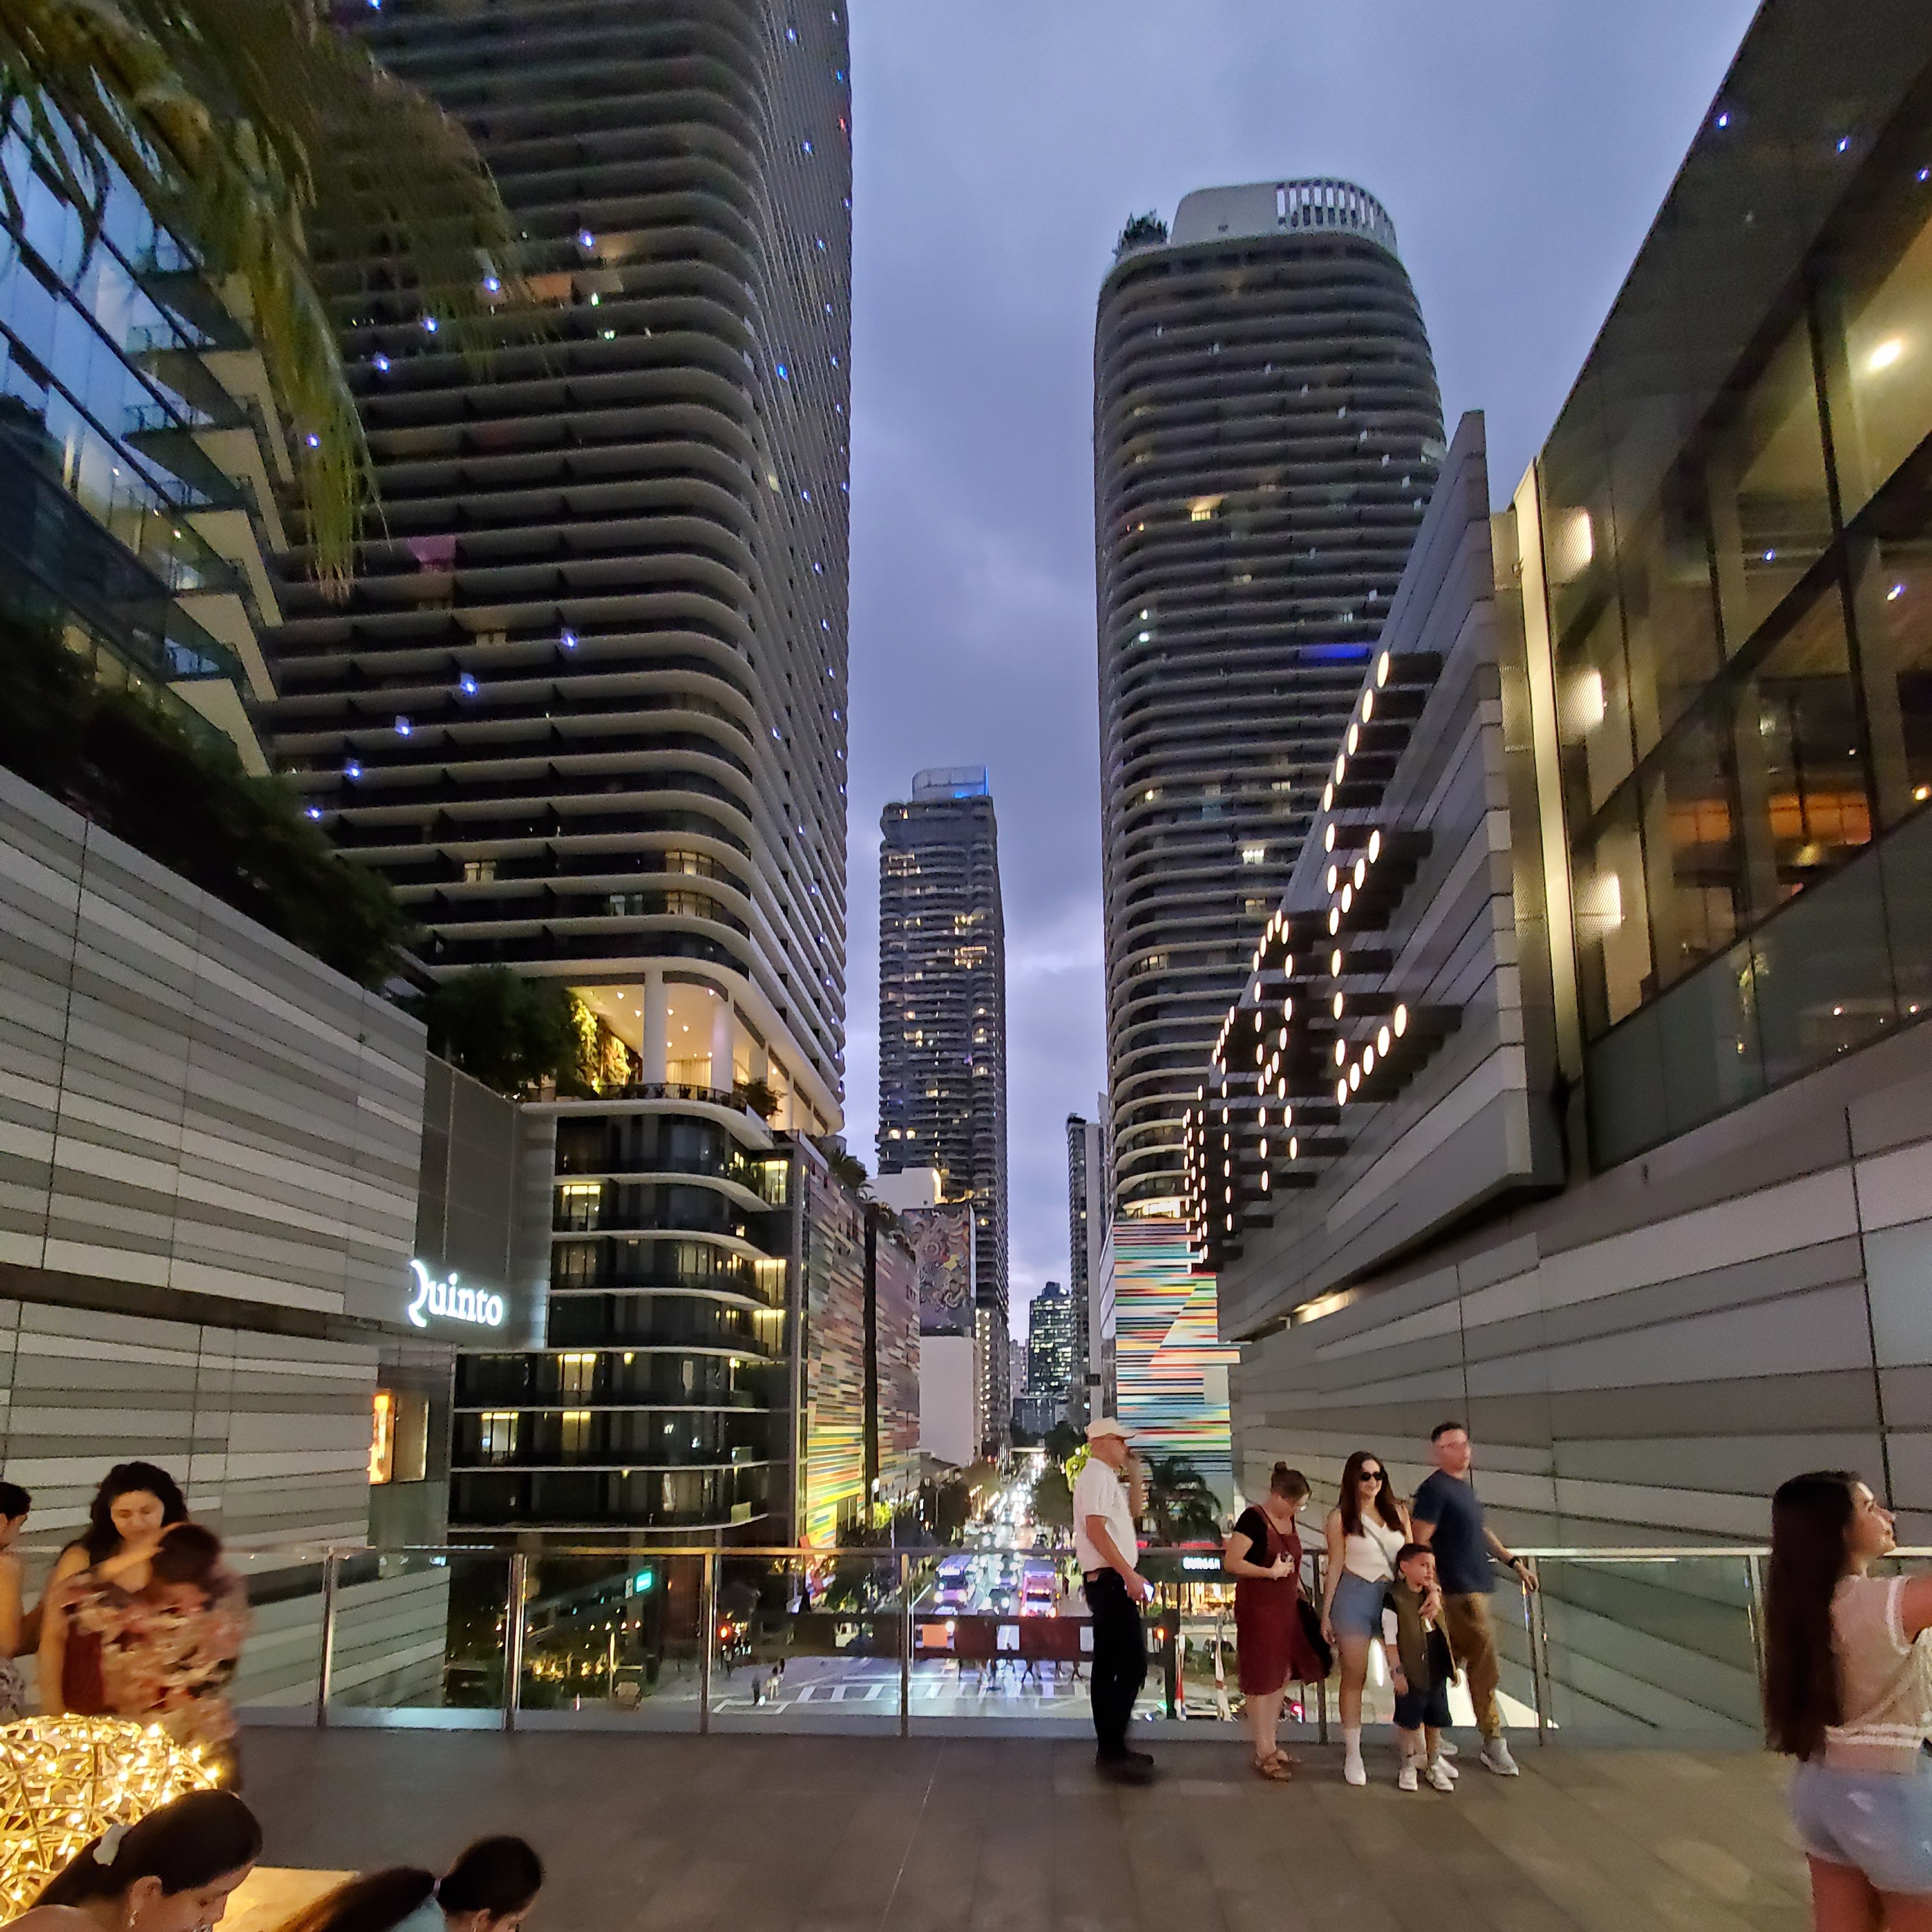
<point>189,1842</point>
<point>1386,1506</point>
<point>100,1538</point>
<point>377,1901</point>
<point>1811,1517</point>
<point>495,1876</point>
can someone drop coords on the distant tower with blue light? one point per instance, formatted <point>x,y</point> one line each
<point>942,1028</point>
<point>1267,430</point>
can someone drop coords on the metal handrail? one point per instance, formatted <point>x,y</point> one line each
<point>896,1609</point>
<point>315,1551</point>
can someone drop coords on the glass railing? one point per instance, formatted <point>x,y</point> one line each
<point>1617,1645</point>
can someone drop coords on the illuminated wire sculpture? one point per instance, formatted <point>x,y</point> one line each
<point>64,1781</point>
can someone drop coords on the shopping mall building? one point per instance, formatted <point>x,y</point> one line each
<point>1578,1089</point>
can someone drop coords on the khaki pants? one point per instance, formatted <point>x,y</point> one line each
<point>1467,1619</point>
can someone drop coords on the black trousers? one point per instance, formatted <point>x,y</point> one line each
<point>1119,1660</point>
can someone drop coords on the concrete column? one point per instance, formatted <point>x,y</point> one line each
<point>721,1033</point>
<point>657,1025</point>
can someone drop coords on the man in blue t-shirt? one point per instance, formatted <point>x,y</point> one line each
<point>1449,1520</point>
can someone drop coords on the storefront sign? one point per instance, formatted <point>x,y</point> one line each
<point>455,1304</point>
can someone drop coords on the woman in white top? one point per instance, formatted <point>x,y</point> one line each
<point>1848,1693</point>
<point>1365,1529</point>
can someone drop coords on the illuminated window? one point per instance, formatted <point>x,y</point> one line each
<point>575,1373</point>
<point>576,1431</point>
<point>382,1439</point>
<point>577,1203</point>
<point>479,871</point>
<point>496,1435</point>
<point>1254,855</point>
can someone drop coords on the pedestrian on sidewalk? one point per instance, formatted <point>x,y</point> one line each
<point>1449,1520</point>
<point>1421,1664</point>
<point>1365,1529</point>
<point>1108,1550</point>
<point>1263,1554</point>
<point>1848,1693</point>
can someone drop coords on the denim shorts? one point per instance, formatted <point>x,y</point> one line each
<point>1415,1709</point>
<point>1357,1609</point>
<point>1879,1821</point>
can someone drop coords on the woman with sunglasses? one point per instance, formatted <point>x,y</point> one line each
<point>1365,1529</point>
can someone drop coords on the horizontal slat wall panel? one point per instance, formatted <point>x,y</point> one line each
<point>1644,1358</point>
<point>191,1107</point>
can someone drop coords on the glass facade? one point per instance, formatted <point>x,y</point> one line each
<point>661,1399</point>
<point>1736,509</point>
<point>105,396</point>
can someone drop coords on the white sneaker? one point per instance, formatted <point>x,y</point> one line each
<point>1441,1777</point>
<point>1447,1748</point>
<point>1404,1778</point>
<point>1448,1770</point>
<point>1496,1758</point>
<point>1352,1770</point>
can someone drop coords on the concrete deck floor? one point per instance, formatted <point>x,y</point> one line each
<point>865,1834</point>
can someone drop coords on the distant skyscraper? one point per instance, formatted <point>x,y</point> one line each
<point>942,1028</point>
<point>585,706</point>
<point>1088,1213</point>
<point>1050,1343</point>
<point>1266,430</point>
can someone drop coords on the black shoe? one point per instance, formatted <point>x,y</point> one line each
<point>1129,1768</point>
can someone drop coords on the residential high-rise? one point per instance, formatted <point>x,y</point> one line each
<point>585,703</point>
<point>1266,430</point>
<point>1050,1340</point>
<point>1088,1213</point>
<point>942,1028</point>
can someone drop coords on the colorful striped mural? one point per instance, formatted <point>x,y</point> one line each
<point>1171,1367</point>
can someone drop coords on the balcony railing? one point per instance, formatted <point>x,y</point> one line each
<point>1619,1645</point>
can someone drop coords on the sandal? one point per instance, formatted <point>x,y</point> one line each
<point>1275,1769</point>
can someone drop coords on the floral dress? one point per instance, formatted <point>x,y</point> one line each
<point>160,1663</point>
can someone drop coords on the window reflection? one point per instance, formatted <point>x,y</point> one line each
<point>1878,355</point>
<point>1594,713</point>
<point>1891,556</point>
<point>1692,852</point>
<point>1770,510</point>
<point>1669,616</point>
<point>1613,927</point>
<point>1808,731</point>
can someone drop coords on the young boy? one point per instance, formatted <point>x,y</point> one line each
<point>1421,1664</point>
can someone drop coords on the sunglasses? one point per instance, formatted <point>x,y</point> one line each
<point>1370,1476</point>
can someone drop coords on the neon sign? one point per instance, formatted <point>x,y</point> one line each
<point>456,1304</point>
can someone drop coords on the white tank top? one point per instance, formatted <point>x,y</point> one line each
<point>1371,1556</point>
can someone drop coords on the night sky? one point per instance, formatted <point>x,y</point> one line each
<point>1522,147</point>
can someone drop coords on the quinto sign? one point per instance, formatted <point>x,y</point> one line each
<point>456,1304</point>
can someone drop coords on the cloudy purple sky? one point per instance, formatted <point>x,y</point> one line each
<point>1522,147</point>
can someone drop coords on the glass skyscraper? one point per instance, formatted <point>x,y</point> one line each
<point>122,374</point>
<point>1267,431</point>
<point>943,1029</point>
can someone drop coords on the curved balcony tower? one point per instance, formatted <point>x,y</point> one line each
<point>1266,432</point>
<point>585,703</point>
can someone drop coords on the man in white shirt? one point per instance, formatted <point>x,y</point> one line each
<point>1105,1543</point>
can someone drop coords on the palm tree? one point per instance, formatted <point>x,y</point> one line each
<point>1178,1499</point>
<point>247,126</point>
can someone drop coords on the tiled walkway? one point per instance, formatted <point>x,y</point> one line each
<point>861,1834</point>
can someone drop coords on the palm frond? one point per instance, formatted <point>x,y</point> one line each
<point>243,123</point>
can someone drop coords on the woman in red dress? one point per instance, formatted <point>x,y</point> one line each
<point>1264,1554</point>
